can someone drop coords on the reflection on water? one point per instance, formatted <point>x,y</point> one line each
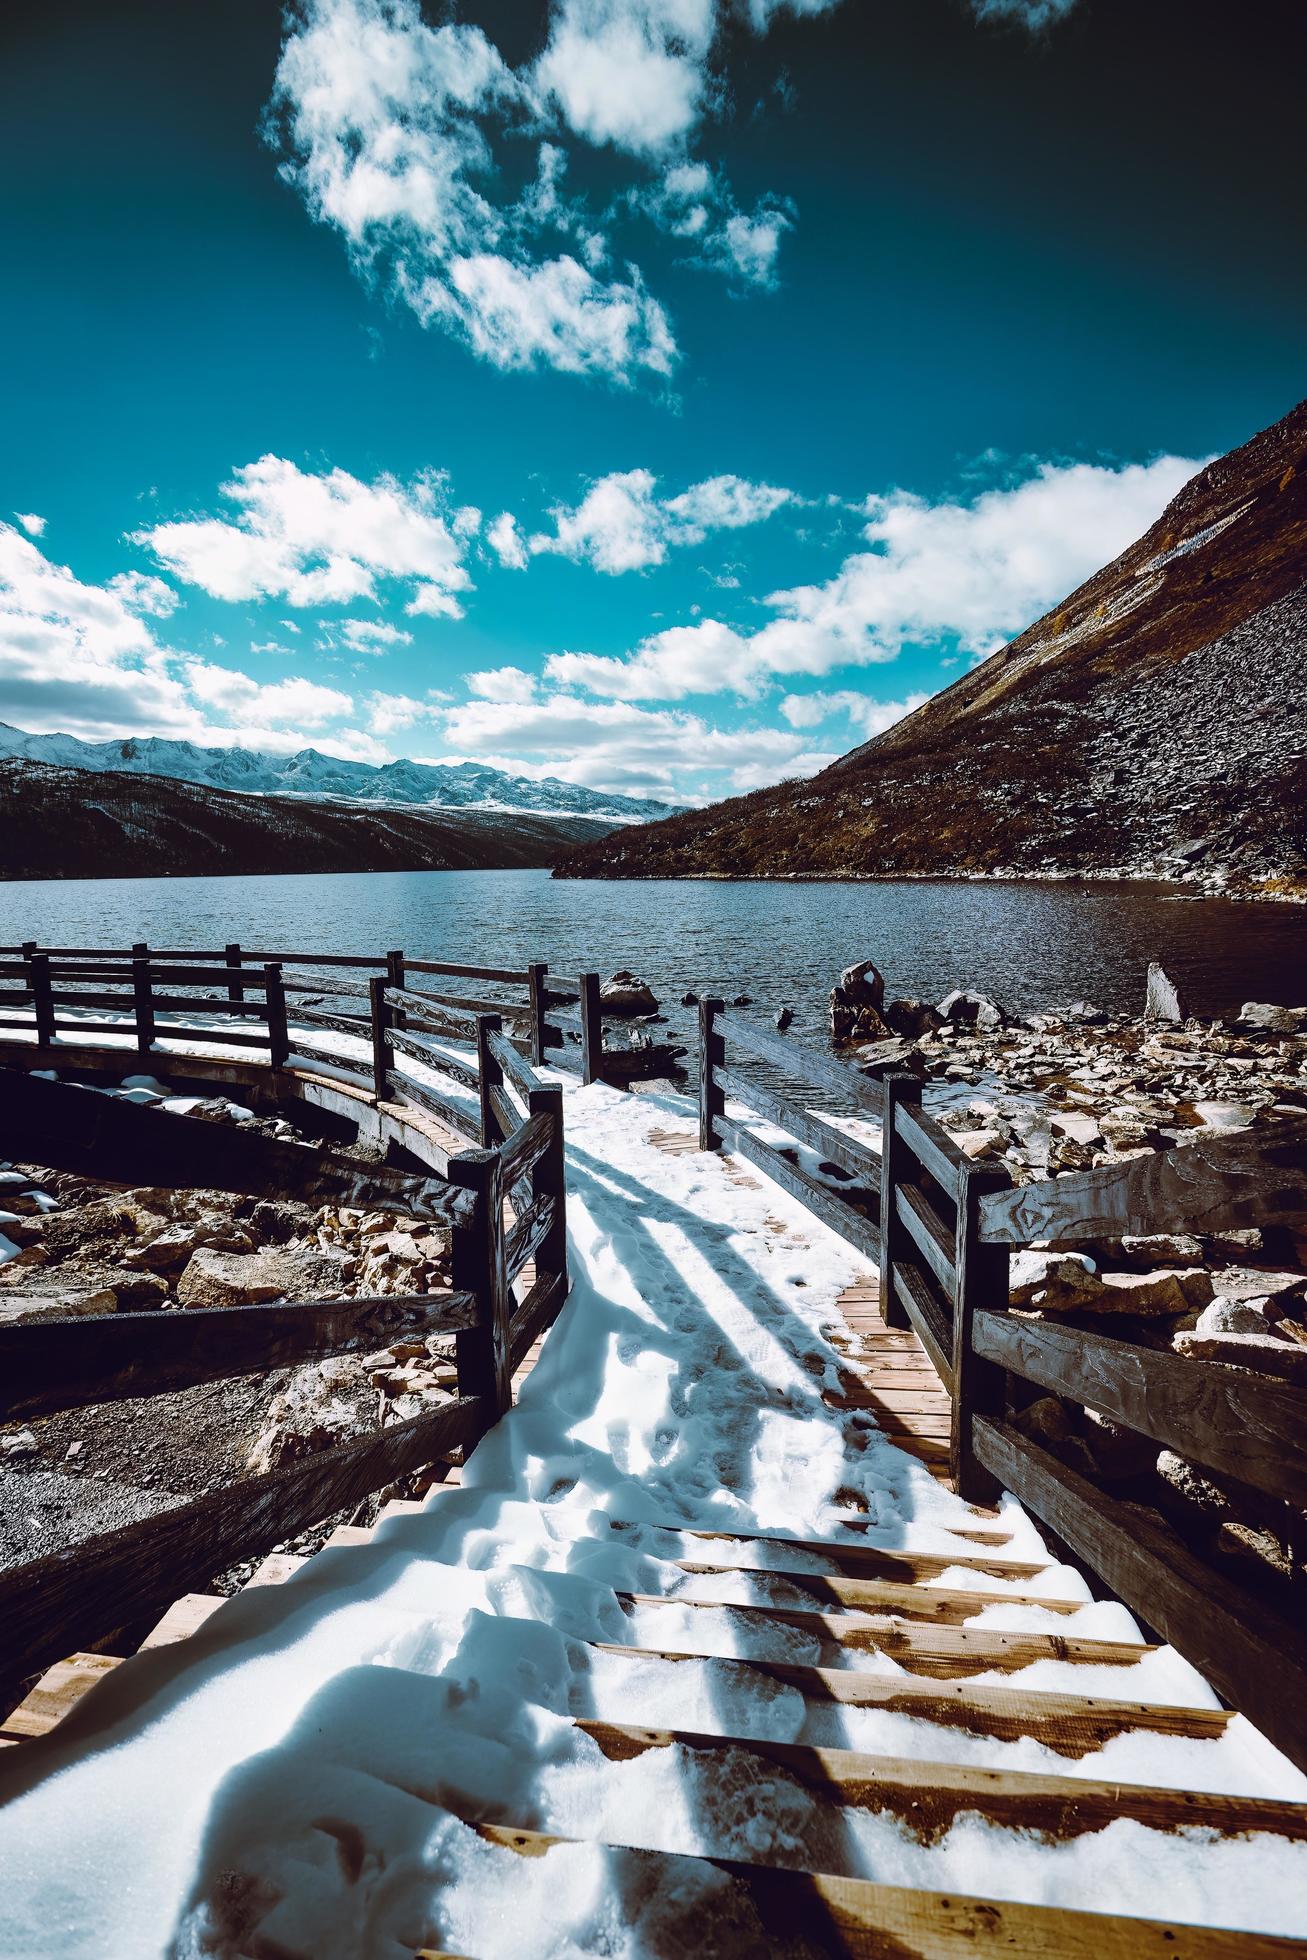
<point>1029,945</point>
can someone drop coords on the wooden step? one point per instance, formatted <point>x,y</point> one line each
<point>854,1561</point>
<point>942,1605</point>
<point>860,1524</point>
<point>929,1797</point>
<point>801,1914</point>
<point>1072,1725</point>
<point>944,1652</point>
<point>59,1689</point>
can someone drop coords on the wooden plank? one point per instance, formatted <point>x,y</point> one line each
<point>929,1234</point>
<point>929,1797</point>
<point>824,1203</point>
<point>506,1113</point>
<point>455,1114</point>
<point>84,1591</point>
<point>932,1146</point>
<point>1214,1184</point>
<point>406,1042</point>
<point>926,1316</point>
<point>1250,1427</point>
<point>184,1617</point>
<point>66,1364</point>
<point>71,1128</point>
<point>767,1909</point>
<point>523,1150</point>
<point>944,1653</point>
<point>536,1315</point>
<point>859,1159</point>
<point>513,1013</point>
<point>318,1017</point>
<point>515,1066</point>
<point>1070,1725</point>
<point>528,1234</point>
<point>506,975</point>
<point>866,1561</point>
<point>806,1063</point>
<point>982,1275</point>
<point>1249,1654</point>
<point>424,1010</point>
<point>275,1569</point>
<point>938,1605</point>
<point>58,1691</point>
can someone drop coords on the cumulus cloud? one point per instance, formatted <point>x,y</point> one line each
<point>617,746</point>
<point>31,523</point>
<point>621,525</point>
<point>697,206</point>
<point>507,540</point>
<point>869,716</point>
<point>319,539</point>
<point>969,576</point>
<point>502,684</point>
<point>631,73</point>
<point>370,635</point>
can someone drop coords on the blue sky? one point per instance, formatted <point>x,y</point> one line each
<point>662,394</point>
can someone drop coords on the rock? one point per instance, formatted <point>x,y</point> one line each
<point>1077,1124</point>
<point>689,1000</point>
<point>970,1010</point>
<point>912,1018</point>
<point>879,1057</point>
<point>863,985</point>
<point>1275,1020</point>
<point>1225,1316</point>
<point>1260,1283</point>
<point>1161,1249</point>
<point>1117,1452</point>
<point>1171,1290</point>
<point>1161,1000</point>
<point>21,1443</point>
<point>626,993</point>
<point>1222,1115</point>
<point>21,1309</point>
<point>784,1019</point>
<point>164,1254</point>
<point>1052,1282</point>
<point>323,1404</point>
<point>226,1279</point>
<point>277,1219</point>
<point>1268,1357</point>
<point>742,1000</point>
<point>1044,1421</point>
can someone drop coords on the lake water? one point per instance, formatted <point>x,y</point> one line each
<point>1027,945</point>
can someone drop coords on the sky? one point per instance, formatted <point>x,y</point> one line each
<point>661,394</point>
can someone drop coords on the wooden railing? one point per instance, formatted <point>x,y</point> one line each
<point>941,1230</point>
<point>90,991</point>
<point>85,1592</point>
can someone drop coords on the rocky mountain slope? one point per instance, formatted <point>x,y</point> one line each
<point>75,823</point>
<point>445,786</point>
<point>1151,726</point>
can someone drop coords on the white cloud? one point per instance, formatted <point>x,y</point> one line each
<point>620,525</point>
<point>616,746</point>
<point>1034,15</point>
<point>31,523</point>
<point>294,703</point>
<point>508,542</point>
<point>369,635</point>
<point>389,712</point>
<point>316,539</point>
<point>870,716</point>
<point>697,206</point>
<point>502,684</point>
<point>140,592</point>
<point>632,73</point>
<point>969,575</point>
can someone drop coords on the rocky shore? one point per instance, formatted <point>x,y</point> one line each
<point>1070,1091</point>
<point>69,1246</point>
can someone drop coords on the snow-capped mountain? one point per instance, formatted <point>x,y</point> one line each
<point>442,786</point>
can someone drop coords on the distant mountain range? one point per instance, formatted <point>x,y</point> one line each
<point>436,786</point>
<point>82,823</point>
<point>1151,726</point>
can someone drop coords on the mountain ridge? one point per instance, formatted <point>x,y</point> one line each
<point>1149,726</point>
<point>308,772</point>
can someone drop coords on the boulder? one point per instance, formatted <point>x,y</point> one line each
<point>1077,1124</point>
<point>1052,1282</point>
<point>1223,1115</point>
<point>878,1058</point>
<point>784,1019</point>
<point>1169,1290</point>
<point>20,1309</point>
<point>1161,999</point>
<point>232,1279</point>
<point>912,1018</point>
<point>964,1009</point>
<point>322,1405</point>
<point>863,985</point>
<point>1282,1359</point>
<point>166,1253</point>
<point>1275,1020</point>
<point>626,993</point>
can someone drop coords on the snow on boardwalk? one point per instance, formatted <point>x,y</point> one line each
<point>293,1779</point>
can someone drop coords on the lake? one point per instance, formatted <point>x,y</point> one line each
<point>1028,945</point>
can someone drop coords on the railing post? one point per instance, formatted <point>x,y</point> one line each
<point>381,1011</point>
<point>144,996</point>
<point>38,980</point>
<point>482,1352</point>
<point>235,991</point>
<point>395,978</point>
<point>535,980</point>
<point>979,1387</point>
<point>549,1180</point>
<point>712,1055</point>
<point>275,1009</point>
<point>895,1162</point>
<point>490,1075</point>
<point>592,1029</point>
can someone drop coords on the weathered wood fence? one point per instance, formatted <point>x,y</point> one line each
<point>85,1592</point>
<point>941,1229</point>
<point>271,1001</point>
